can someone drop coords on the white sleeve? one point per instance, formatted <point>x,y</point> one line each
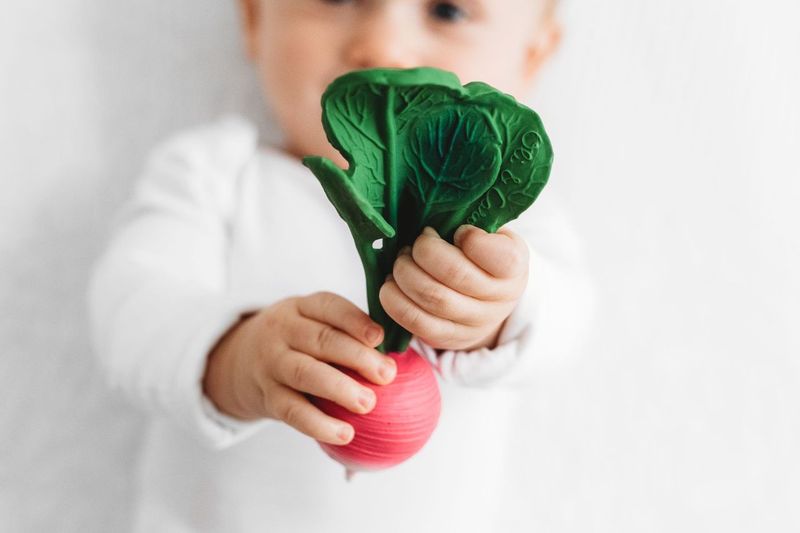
<point>551,319</point>
<point>157,296</point>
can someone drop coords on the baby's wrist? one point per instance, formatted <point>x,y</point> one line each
<point>220,381</point>
<point>489,341</point>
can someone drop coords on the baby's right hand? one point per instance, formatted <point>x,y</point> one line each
<point>264,364</point>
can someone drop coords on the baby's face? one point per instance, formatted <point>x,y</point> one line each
<point>300,46</point>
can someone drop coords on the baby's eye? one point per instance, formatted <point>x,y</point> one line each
<point>447,12</point>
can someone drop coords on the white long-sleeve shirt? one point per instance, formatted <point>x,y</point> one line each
<point>220,226</point>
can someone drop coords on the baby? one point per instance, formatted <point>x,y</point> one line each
<point>230,287</point>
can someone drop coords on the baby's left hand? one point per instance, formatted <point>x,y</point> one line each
<point>457,297</point>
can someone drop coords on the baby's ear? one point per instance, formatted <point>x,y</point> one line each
<point>543,43</point>
<point>248,10</point>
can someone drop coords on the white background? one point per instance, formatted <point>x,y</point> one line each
<point>677,134</point>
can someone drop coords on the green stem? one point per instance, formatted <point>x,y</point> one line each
<point>391,165</point>
<point>372,272</point>
<point>396,338</point>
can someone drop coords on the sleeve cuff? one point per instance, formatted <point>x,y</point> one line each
<point>543,332</point>
<point>197,413</point>
<point>486,367</point>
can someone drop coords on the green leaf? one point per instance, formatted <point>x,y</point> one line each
<point>527,157</point>
<point>354,131</point>
<point>364,220</point>
<point>451,156</point>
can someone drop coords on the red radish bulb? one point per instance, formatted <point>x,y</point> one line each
<point>403,419</point>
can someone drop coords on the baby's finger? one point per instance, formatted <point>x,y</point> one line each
<point>331,345</point>
<point>408,314</point>
<point>297,411</point>
<point>439,299</point>
<point>304,373</point>
<point>330,308</point>
<point>503,254</point>
<point>448,265</point>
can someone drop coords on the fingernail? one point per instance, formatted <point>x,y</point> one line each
<point>430,231</point>
<point>366,399</point>
<point>345,433</point>
<point>373,334</point>
<point>459,234</point>
<point>388,370</point>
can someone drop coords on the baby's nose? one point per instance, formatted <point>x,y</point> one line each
<point>382,40</point>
